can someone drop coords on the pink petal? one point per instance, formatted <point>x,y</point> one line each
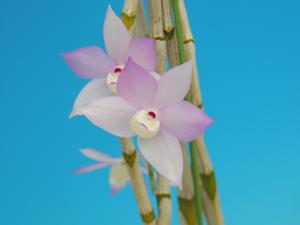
<point>136,85</point>
<point>90,168</point>
<point>163,152</point>
<point>116,37</point>
<point>95,89</point>
<point>174,85</point>
<point>112,114</point>
<point>99,156</point>
<point>143,52</point>
<point>115,189</point>
<point>184,120</point>
<point>89,62</point>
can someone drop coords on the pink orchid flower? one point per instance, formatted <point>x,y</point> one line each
<point>118,176</point>
<point>104,69</point>
<point>154,111</point>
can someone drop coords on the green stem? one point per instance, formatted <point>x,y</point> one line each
<point>193,146</point>
<point>179,31</point>
<point>196,181</point>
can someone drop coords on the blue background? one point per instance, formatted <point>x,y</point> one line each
<point>248,55</point>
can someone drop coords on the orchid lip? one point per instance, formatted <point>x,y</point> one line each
<point>112,78</point>
<point>145,123</point>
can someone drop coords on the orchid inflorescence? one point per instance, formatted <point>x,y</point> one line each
<point>126,98</point>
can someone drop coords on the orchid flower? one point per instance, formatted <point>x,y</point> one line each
<point>118,176</point>
<point>104,69</point>
<point>154,111</point>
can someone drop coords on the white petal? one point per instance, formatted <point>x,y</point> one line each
<point>116,37</point>
<point>112,114</point>
<point>164,154</point>
<point>93,90</point>
<point>118,177</point>
<point>174,85</point>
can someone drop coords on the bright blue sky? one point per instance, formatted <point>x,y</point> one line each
<point>248,53</point>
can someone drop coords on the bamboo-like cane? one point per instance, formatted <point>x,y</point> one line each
<point>139,27</point>
<point>129,11</point>
<point>186,195</point>
<point>211,201</point>
<point>163,186</point>
<point>169,33</point>
<point>131,14</point>
<point>130,156</point>
<point>192,144</point>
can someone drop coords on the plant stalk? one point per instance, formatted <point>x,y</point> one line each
<point>163,187</point>
<point>130,156</point>
<point>132,14</point>
<point>194,160</point>
<point>129,12</point>
<point>186,195</point>
<point>210,196</point>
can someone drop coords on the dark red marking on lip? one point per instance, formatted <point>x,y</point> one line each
<point>117,70</point>
<point>152,114</point>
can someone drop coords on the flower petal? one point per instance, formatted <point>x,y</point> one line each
<point>116,37</point>
<point>90,168</point>
<point>93,90</point>
<point>155,75</point>
<point>98,156</point>
<point>174,85</point>
<point>112,114</point>
<point>184,120</point>
<point>164,154</point>
<point>89,62</point>
<point>118,177</point>
<point>143,52</point>
<point>136,85</point>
